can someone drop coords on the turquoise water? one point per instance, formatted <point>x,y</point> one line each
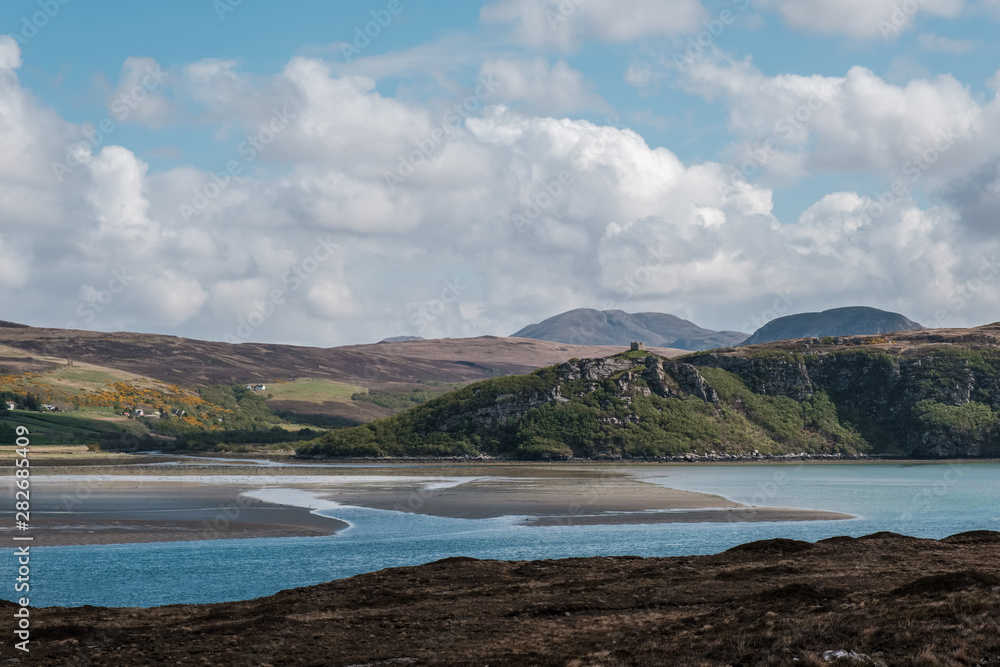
<point>926,500</point>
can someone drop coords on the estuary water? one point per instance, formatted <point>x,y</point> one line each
<point>922,499</point>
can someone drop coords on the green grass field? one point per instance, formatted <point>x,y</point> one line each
<point>312,390</point>
<point>47,428</point>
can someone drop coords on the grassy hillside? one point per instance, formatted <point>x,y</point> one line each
<point>88,404</point>
<point>872,395</point>
<point>552,413</point>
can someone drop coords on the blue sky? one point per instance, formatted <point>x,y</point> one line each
<point>655,156</point>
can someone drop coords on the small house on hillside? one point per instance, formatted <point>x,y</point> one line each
<point>11,405</point>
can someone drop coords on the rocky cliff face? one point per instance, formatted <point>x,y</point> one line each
<point>664,377</point>
<point>630,376</point>
<point>503,408</point>
<point>933,404</point>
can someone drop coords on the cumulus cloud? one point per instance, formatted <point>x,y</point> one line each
<point>139,97</point>
<point>565,24</point>
<point>928,131</point>
<point>543,87</point>
<point>10,53</point>
<point>500,216</point>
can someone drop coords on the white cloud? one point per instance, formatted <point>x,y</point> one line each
<point>567,23</point>
<point>139,97</point>
<point>930,131</point>
<point>170,300</point>
<point>937,44</point>
<point>542,87</point>
<point>509,218</point>
<point>861,19</point>
<point>10,53</point>
<point>15,265</point>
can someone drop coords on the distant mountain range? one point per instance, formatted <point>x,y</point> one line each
<point>586,326</point>
<point>851,321</point>
<point>401,339</point>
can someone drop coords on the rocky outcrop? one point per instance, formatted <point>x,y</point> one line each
<point>504,407</point>
<point>630,376</point>
<point>596,370</point>
<point>690,381</point>
<point>664,377</point>
<point>772,376</point>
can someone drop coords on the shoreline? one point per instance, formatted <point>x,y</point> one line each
<point>693,459</point>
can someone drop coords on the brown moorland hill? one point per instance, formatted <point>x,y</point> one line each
<point>388,367</point>
<point>899,342</point>
<point>189,362</point>
<point>888,599</point>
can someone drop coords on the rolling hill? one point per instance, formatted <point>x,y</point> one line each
<point>925,394</point>
<point>850,321</point>
<point>586,326</point>
<point>312,382</point>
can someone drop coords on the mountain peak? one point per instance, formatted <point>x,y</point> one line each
<point>587,326</point>
<point>845,321</point>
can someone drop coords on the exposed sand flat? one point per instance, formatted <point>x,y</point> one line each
<point>708,515</point>
<point>162,505</point>
<point>113,512</point>
<point>609,499</point>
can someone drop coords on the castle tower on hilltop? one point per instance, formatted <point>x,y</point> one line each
<point>637,346</point>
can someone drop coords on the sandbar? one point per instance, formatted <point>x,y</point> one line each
<point>609,499</point>
<point>114,512</point>
<point>229,503</point>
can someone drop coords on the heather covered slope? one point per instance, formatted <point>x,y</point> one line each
<point>893,599</point>
<point>389,369</point>
<point>924,394</point>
